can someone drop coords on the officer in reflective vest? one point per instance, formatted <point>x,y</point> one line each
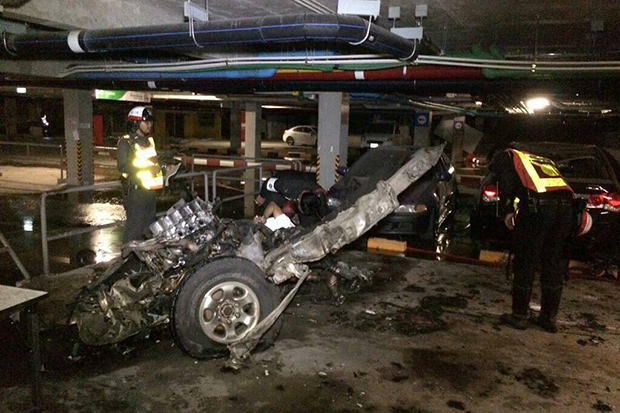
<point>141,174</point>
<point>537,204</point>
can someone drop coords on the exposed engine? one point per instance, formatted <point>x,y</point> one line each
<point>184,230</point>
<point>135,294</point>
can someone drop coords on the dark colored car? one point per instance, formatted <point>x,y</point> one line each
<point>426,208</point>
<point>594,175</point>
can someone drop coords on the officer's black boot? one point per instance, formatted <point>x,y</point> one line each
<point>549,306</point>
<point>520,309</point>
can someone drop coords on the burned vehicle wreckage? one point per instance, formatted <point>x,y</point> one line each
<point>217,282</point>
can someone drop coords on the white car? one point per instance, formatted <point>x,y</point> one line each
<point>379,133</point>
<point>300,135</point>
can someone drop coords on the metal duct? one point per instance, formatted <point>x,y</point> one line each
<point>251,31</point>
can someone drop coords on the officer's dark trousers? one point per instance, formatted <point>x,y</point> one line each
<point>140,208</point>
<point>540,237</point>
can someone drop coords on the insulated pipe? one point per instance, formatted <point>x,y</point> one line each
<point>251,31</point>
<point>604,88</point>
<point>400,73</point>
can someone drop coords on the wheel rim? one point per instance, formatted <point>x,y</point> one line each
<point>290,141</point>
<point>228,311</point>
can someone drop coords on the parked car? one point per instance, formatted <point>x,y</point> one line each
<point>378,133</point>
<point>591,172</point>
<point>427,207</point>
<point>300,135</point>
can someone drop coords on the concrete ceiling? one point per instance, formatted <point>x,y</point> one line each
<point>517,27</point>
<point>521,29</point>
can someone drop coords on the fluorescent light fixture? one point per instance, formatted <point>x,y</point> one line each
<point>374,145</point>
<point>21,90</point>
<point>276,107</point>
<point>537,103</point>
<point>478,103</point>
<point>179,96</point>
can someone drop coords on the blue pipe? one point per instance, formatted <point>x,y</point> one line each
<point>307,28</point>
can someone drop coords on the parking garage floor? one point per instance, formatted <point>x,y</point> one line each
<point>423,337</point>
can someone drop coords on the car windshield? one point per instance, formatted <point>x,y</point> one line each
<point>584,167</point>
<point>384,128</point>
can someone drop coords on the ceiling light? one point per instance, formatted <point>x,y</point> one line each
<point>179,96</point>
<point>537,103</point>
<point>21,90</point>
<point>277,107</point>
<point>478,103</point>
<point>605,111</point>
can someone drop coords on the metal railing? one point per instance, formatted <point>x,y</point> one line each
<point>16,260</point>
<point>46,238</point>
<point>245,161</point>
<point>219,172</point>
<point>62,161</point>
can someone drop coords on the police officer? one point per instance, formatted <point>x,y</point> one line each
<point>307,196</point>
<point>538,205</point>
<point>141,174</point>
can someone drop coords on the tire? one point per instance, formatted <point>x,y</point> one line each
<point>198,311</point>
<point>290,141</point>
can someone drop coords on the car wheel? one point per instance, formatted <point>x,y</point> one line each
<point>290,141</point>
<point>221,302</point>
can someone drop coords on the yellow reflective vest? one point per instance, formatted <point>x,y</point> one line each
<point>537,173</point>
<point>144,162</point>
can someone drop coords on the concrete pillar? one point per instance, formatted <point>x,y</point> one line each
<point>344,132</point>
<point>458,136</point>
<point>422,128</point>
<point>78,107</point>
<point>235,130</point>
<point>253,123</point>
<point>333,136</point>
<point>10,118</point>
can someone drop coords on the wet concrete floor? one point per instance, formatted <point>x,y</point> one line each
<point>423,337</point>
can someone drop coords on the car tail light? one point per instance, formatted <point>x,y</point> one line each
<point>490,193</point>
<point>614,199</point>
<point>607,201</point>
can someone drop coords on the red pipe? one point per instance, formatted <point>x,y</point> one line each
<point>398,73</point>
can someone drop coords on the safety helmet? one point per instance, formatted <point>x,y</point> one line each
<point>137,115</point>
<point>584,221</point>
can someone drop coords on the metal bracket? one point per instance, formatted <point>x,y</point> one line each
<point>193,12</point>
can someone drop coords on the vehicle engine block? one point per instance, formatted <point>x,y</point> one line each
<point>184,229</point>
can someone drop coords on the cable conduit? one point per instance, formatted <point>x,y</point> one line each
<point>269,29</point>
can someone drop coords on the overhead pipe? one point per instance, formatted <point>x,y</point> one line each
<point>317,28</point>
<point>604,88</point>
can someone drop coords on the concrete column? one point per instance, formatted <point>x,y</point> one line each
<point>78,107</point>
<point>10,118</point>
<point>333,136</point>
<point>458,136</point>
<point>235,130</point>
<point>422,128</point>
<point>344,131</point>
<point>253,123</point>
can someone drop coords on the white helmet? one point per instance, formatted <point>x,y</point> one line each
<point>140,114</point>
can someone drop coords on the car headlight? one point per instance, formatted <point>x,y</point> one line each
<point>411,209</point>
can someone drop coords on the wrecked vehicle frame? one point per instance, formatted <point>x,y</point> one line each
<point>216,280</point>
